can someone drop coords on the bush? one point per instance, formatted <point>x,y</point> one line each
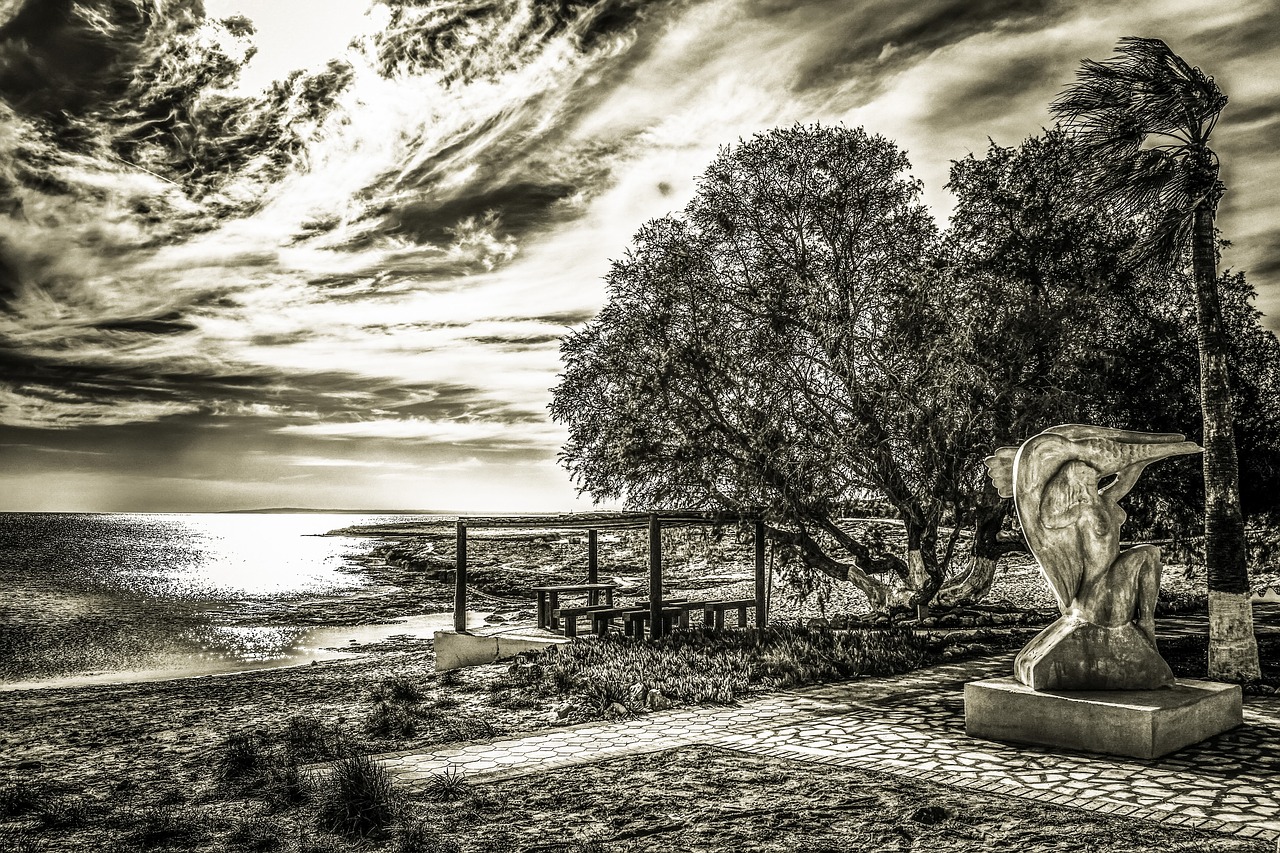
<point>389,721</point>
<point>240,757</point>
<point>357,798</point>
<point>19,796</point>
<point>397,689</point>
<point>308,740</point>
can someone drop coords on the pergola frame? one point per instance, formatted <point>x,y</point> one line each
<point>596,521</point>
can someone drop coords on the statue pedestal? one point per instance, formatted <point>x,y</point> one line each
<point>1136,723</point>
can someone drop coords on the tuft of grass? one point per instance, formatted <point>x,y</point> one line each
<point>357,799</point>
<point>258,835</point>
<point>422,837</point>
<point>389,721</point>
<point>63,813</point>
<point>19,796</point>
<point>240,757</point>
<point>447,786</point>
<point>14,840</point>
<point>163,825</point>
<point>308,740</point>
<point>397,688</point>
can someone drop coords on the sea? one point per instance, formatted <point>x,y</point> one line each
<point>99,598</point>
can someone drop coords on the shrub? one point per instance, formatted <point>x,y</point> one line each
<point>701,667</point>
<point>397,689</point>
<point>308,740</point>
<point>20,795</point>
<point>240,757</point>
<point>390,721</point>
<point>357,798</point>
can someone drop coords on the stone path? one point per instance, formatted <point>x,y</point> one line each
<point>913,725</point>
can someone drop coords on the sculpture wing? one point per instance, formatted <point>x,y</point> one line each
<point>1000,469</point>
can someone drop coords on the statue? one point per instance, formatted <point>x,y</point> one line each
<point>1065,483</point>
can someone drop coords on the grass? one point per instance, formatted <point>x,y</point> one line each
<point>357,798</point>
<point>401,689</point>
<point>20,795</point>
<point>696,667</point>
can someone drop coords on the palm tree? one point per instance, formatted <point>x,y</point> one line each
<point>1147,115</point>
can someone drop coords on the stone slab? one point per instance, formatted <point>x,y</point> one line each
<point>1135,723</point>
<point>456,649</point>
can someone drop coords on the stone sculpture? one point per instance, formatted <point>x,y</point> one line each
<point>1065,483</point>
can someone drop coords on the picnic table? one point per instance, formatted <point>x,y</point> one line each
<point>549,599</point>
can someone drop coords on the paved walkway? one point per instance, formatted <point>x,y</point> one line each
<point>913,725</point>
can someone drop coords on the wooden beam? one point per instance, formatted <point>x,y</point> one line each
<point>593,564</point>
<point>603,520</point>
<point>655,577</point>
<point>761,604</point>
<point>460,581</point>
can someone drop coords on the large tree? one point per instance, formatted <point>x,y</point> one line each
<point>1148,115</point>
<point>773,347</point>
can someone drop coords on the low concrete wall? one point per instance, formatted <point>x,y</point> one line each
<point>455,649</point>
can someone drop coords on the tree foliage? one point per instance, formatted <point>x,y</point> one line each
<point>800,337</point>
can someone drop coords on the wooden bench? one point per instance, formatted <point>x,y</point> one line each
<point>570,616</point>
<point>672,612</point>
<point>713,612</point>
<point>549,599</point>
<point>602,620</point>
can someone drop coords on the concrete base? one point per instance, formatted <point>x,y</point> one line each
<point>1137,723</point>
<point>454,649</point>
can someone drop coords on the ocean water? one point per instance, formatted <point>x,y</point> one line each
<point>100,598</point>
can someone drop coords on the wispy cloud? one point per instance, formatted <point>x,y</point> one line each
<point>384,252</point>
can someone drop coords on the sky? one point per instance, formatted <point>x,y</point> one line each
<point>321,253</point>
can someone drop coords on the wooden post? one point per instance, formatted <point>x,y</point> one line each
<point>593,566</point>
<point>761,604</point>
<point>655,577</point>
<point>460,581</point>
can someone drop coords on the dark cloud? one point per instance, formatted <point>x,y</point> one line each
<point>517,342</point>
<point>855,49</point>
<point>53,61</point>
<point>169,324</point>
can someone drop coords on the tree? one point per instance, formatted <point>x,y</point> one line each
<point>772,348</point>
<point>1148,116</point>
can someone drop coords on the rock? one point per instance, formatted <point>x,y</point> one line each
<point>637,692</point>
<point>617,709</point>
<point>657,701</point>
<point>563,710</point>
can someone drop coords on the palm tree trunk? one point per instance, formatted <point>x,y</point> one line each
<point>1233,648</point>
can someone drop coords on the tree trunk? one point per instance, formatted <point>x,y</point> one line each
<point>987,549</point>
<point>1233,648</point>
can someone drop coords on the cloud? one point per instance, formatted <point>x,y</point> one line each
<point>384,254</point>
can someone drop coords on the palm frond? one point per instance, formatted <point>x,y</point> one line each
<point>1144,89</point>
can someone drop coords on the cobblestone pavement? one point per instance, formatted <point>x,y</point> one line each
<point>913,725</point>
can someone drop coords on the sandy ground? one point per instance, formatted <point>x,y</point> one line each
<point>120,753</point>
